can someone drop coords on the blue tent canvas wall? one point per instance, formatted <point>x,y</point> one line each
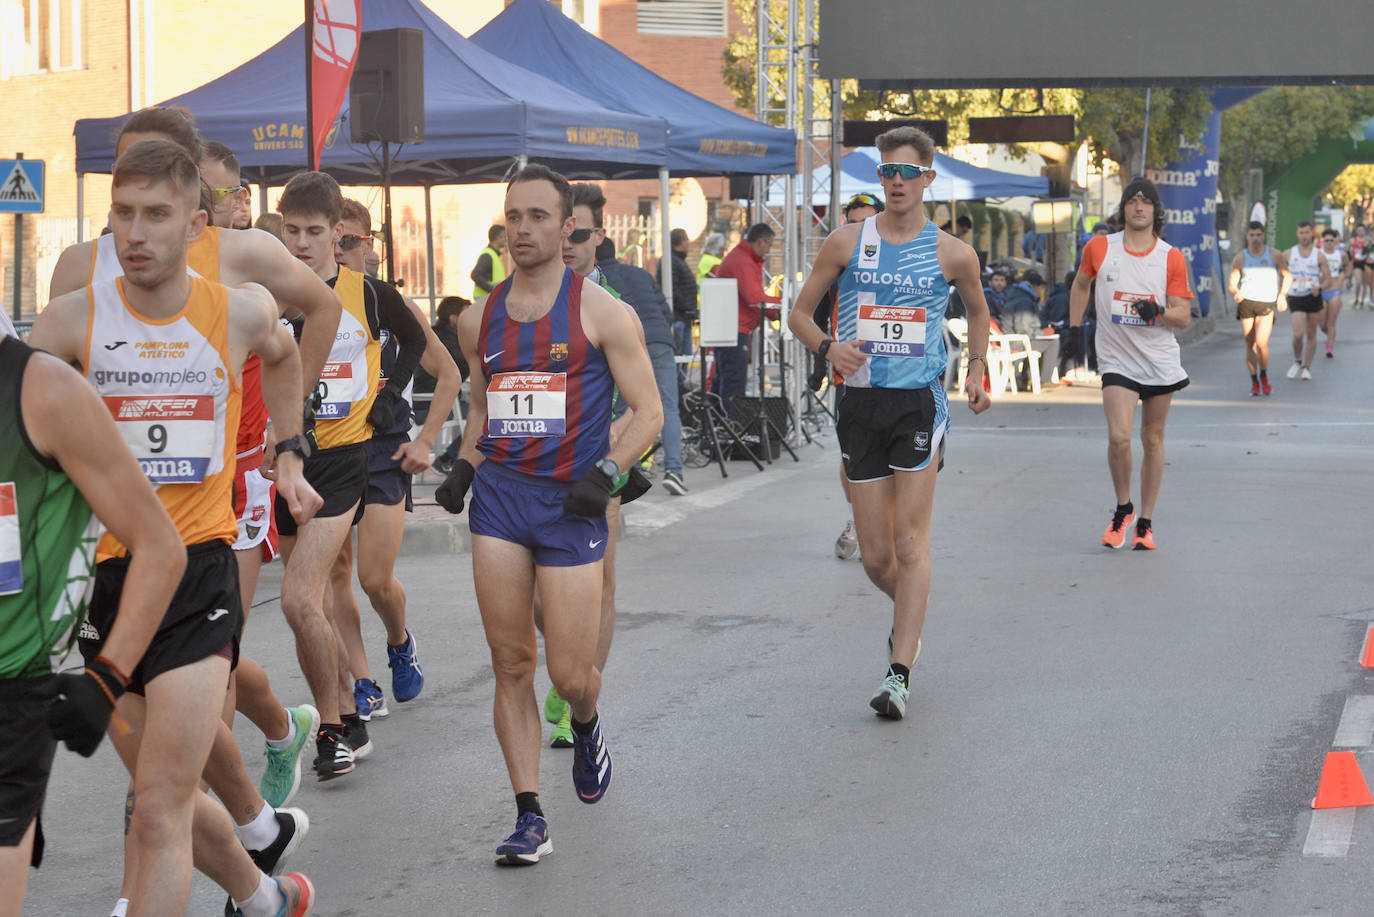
<point>704,138</point>
<point>954,180</point>
<point>481,113</point>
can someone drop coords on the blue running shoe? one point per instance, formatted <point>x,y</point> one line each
<point>283,775</point>
<point>407,678</point>
<point>591,766</point>
<point>529,842</point>
<point>369,699</point>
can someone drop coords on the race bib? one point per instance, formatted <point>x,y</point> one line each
<point>11,547</point>
<point>527,404</point>
<point>336,391</point>
<point>892,331</point>
<point>1123,309</point>
<point>172,436</point>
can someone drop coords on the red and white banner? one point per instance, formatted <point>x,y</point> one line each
<point>335,28</point>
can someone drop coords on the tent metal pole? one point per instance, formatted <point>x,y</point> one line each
<point>665,257</point>
<point>429,247</point>
<point>80,206</point>
<point>386,213</point>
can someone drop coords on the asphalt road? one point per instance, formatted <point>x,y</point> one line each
<point>1091,732</point>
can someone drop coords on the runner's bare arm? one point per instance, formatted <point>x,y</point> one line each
<point>73,269</point>
<point>254,328</point>
<point>469,330</point>
<point>60,329</point>
<point>252,255</point>
<point>1233,284</point>
<point>1178,312</point>
<point>830,262</point>
<point>415,456</point>
<point>959,263</point>
<point>1285,280</point>
<point>66,421</point>
<point>610,329</point>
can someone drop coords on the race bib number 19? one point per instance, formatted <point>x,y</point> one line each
<point>11,547</point>
<point>172,436</point>
<point>892,331</point>
<point>527,404</point>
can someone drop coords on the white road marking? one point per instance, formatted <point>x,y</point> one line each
<point>1049,428</point>
<point>651,516</point>
<point>1329,834</point>
<point>1356,728</point>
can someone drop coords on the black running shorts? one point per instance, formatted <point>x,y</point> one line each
<point>339,475</point>
<point>1140,388</point>
<point>882,430</point>
<point>1312,303</point>
<point>1248,308</point>
<point>204,619</point>
<point>26,761</point>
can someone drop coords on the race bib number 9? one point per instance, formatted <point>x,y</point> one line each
<point>172,436</point>
<point>11,547</point>
<point>1123,309</point>
<point>892,331</point>
<point>527,404</point>
<point>336,391</point>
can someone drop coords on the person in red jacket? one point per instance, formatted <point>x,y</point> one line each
<point>745,264</point>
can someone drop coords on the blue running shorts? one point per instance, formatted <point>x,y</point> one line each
<point>529,511</point>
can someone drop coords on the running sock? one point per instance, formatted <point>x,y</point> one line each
<point>121,908</point>
<point>349,718</point>
<point>290,734</point>
<point>1254,378</point>
<point>1142,525</point>
<point>1125,509</point>
<point>267,901</point>
<point>259,833</point>
<point>584,729</point>
<point>896,668</point>
<point>1264,374</point>
<point>527,802</point>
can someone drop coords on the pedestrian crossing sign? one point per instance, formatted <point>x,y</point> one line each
<point>21,186</point>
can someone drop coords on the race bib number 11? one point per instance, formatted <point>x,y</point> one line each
<point>527,404</point>
<point>11,547</point>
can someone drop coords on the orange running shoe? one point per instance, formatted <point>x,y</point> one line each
<point>1115,536</point>
<point>1144,541</point>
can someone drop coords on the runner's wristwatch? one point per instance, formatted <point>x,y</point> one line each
<point>297,444</point>
<point>609,468</point>
<point>825,346</point>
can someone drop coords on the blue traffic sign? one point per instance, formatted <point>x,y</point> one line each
<point>21,186</point>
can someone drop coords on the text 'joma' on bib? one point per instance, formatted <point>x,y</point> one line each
<point>527,404</point>
<point>1123,308</point>
<point>172,436</point>
<point>11,546</point>
<point>338,390</point>
<point>891,331</point>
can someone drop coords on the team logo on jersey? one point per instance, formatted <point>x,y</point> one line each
<point>258,513</point>
<point>870,250</point>
<point>558,353</point>
<point>253,530</point>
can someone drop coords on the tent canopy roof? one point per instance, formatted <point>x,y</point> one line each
<point>481,112</point>
<point>955,180</point>
<point>704,138</point>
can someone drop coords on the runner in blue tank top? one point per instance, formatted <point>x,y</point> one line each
<point>895,271</point>
<point>546,350</point>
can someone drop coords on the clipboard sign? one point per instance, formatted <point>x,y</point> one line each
<point>719,312</point>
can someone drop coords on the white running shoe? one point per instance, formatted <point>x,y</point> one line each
<point>1294,370</point>
<point>1306,374</point>
<point>848,542</point>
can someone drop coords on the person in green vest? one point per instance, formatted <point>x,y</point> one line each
<point>60,458</point>
<point>490,270</point>
<point>712,253</point>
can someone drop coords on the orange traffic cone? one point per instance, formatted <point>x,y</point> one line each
<point>1367,657</point>
<point>1341,784</point>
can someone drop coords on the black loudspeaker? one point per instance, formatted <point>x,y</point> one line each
<point>741,187</point>
<point>387,92</point>
<point>744,414</point>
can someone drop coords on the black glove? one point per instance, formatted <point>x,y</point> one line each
<point>82,704</point>
<point>1148,310</point>
<point>309,410</point>
<point>589,494</point>
<point>817,377</point>
<point>383,413</point>
<point>451,494</point>
<point>1071,342</point>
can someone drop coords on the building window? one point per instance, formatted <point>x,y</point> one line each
<point>39,36</point>
<point>683,17</point>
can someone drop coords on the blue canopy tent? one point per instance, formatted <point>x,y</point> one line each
<point>482,114</point>
<point>954,180</point>
<point>703,138</point>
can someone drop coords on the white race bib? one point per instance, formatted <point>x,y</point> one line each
<point>11,547</point>
<point>172,436</point>
<point>1123,309</point>
<point>527,404</point>
<point>892,331</point>
<point>338,390</point>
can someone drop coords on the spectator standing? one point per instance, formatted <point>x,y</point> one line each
<point>711,253</point>
<point>684,298</point>
<point>745,265</point>
<point>489,269</point>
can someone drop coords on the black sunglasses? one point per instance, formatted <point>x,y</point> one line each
<point>578,236</point>
<point>350,241</point>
